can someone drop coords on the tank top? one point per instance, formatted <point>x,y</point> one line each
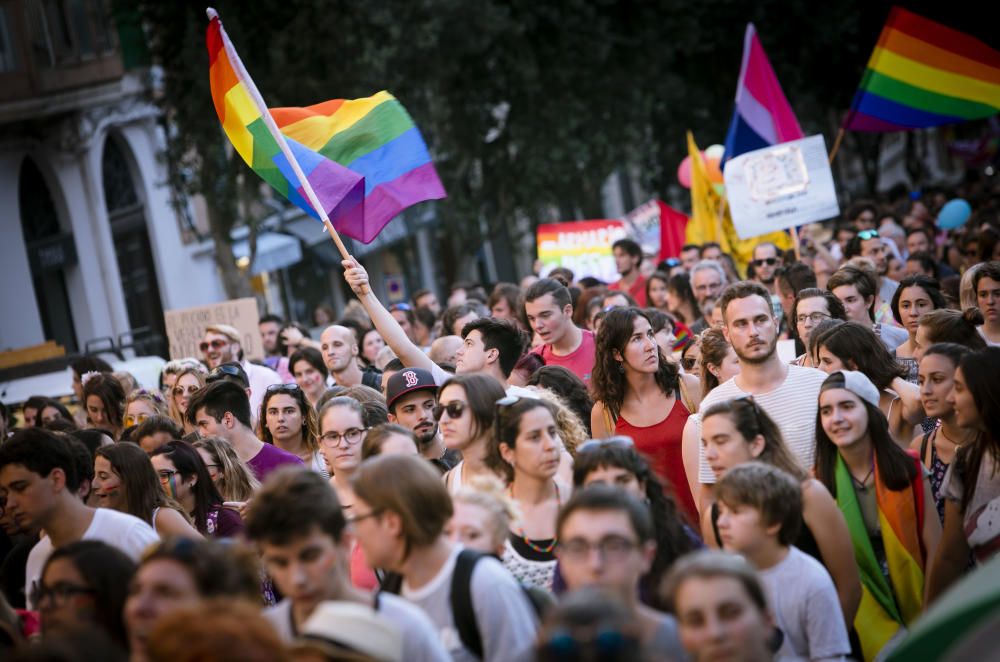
<point>660,444</point>
<point>937,470</point>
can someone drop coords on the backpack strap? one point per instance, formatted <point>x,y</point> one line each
<point>461,601</point>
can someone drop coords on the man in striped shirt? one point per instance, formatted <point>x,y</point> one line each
<point>789,394</point>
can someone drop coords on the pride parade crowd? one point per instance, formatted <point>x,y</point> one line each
<point>557,469</point>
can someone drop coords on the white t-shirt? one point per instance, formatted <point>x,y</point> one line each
<point>804,602</point>
<point>129,534</point>
<point>506,620</point>
<point>419,640</point>
<point>792,406</point>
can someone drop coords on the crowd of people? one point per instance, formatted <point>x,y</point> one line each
<point>689,463</point>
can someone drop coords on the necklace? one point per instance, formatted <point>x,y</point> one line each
<point>541,549</point>
<point>861,484</point>
<point>958,444</point>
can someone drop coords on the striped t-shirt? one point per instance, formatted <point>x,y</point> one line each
<point>792,406</point>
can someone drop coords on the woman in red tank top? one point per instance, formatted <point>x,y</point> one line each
<point>638,394</point>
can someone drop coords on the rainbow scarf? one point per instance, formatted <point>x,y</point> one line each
<point>922,74</point>
<point>887,607</point>
<point>364,158</point>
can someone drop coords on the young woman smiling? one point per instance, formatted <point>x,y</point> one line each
<point>287,420</point>
<point>937,447</point>
<point>310,373</point>
<point>465,412</point>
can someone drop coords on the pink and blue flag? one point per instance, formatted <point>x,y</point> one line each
<point>762,116</point>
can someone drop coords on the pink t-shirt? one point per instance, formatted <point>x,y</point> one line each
<point>580,361</point>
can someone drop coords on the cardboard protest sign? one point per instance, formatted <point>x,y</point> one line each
<point>186,326</point>
<point>780,187</point>
<point>583,246</point>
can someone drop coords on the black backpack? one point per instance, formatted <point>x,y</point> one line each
<point>461,598</point>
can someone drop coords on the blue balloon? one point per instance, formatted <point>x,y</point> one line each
<point>954,214</point>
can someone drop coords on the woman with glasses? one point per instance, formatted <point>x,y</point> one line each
<point>813,306</point>
<point>124,480</point>
<point>84,585</point>
<point>185,479</point>
<point>287,421</point>
<point>142,404</point>
<point>342,430</point>
<point>526,451</point>
<point>739,431</point>
<point>231,476</point>
<point>465,411</point>
<point>972,486</point>
<point>614,461</point>
<point>170,371</point>
<point>310,373</point>
<point>640,394</point>
<point>915,296</point>
<point>188,381</point>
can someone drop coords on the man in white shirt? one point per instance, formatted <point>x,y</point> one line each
<point>787,393</point>
<point>221,344</point>
<point>39,476</point>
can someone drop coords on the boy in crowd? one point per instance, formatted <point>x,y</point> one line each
<point>760,512</point>
<point>41,479</point>
<point>549,309</point>
<point>410,396</point>
<point>616,525</point>
<point>299,527</point>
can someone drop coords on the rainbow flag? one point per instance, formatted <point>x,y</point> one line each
<point>763,116</point>
<point>364,159</point>
<point>923,74</point>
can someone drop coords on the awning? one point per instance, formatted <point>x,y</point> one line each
<point>274,251</point>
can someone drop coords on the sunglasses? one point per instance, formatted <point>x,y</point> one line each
<point>399,306</point>
<point>769,261</point>
<point>454,408</point>
<point>868,234</point>
<point>688,364</point>
<point>623,441</point>
<point>282,388</point>
<point>221,372</point>
<point>180,390</point>
<point>214,344</point>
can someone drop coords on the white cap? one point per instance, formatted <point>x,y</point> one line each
<point>355,627</point>
<point>859,384</point>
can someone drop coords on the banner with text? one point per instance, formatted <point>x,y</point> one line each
<point>780,187</point>
<point>583,246</point>
<point>186,326</point>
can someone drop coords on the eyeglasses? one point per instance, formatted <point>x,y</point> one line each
<point>212,466</point>
<point>134,419</point>
<point>868,234</point>
<point>166,475</point>
<point>214,344</point>
<point>278,388</point>
<point>59,593</point>
<point>815,318</point>
<point>360,518</point>
<point>455,409</point>
<point>226,369</point>
<point>611,548</point>
<point>351,436</point>
<point>618,440</point>
<point>181,390</point>
<point>769,261</point>
<point>689,363</point>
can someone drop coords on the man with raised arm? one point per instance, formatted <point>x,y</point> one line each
<point>490,347</point>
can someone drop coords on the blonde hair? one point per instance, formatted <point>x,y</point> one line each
<point>571,428</point>
<point>155,400</point>
<point>199,374</point>
<point>236,481</point>
<point>966,290</point>
<point>489,493</point>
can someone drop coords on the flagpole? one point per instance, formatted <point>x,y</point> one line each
<point>258,101</point>
<point>836,144</point>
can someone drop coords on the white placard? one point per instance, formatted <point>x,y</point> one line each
<point>780,187</point>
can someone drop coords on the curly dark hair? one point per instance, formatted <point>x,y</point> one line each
<point>607,382</point>
<point>564,383</point>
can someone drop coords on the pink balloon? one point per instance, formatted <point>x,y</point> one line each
<point>684,172</point>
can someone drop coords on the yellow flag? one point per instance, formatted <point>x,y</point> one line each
<point>710,219</point>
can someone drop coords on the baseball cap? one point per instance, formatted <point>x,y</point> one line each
<point>406,381</point>
<point>338,627</point>
<point>855,382</point>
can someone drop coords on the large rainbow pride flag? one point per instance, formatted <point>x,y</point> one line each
<point>364,158</point>
<point>924,74</point>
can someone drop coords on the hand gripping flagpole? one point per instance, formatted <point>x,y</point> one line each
<point>258,101</point>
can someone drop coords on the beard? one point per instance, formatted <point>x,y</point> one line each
<point>427,438</point>
<point>758,359</point>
